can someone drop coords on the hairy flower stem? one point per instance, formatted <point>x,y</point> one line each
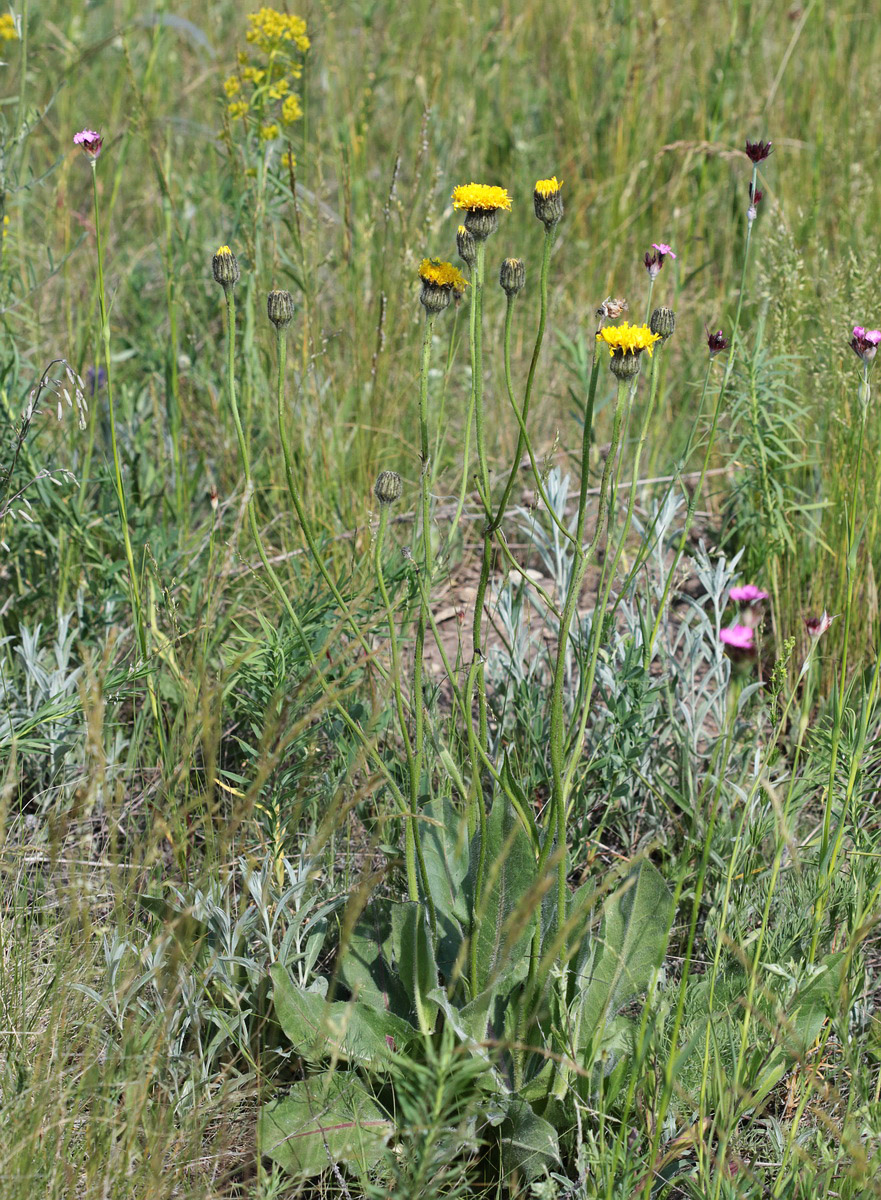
<point>410,827</point>
<point>827,859</point>
<point>428,568</point>
<point>473,319</point>
<point>583,558</point>
<point>550,234</point>
<point>585,697</point>
<point>134,589</point>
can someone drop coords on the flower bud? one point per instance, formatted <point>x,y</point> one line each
<point>466,247</point>
<point>280,308</point>
<point>481,222</point>
<point>225,266</point>
<point>512,276</point>
<point>388,487</point>
<point>548,201</point>
<point>663,322</point>
<point>624,365</point>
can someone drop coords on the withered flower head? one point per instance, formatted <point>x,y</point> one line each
<point>757,152</point>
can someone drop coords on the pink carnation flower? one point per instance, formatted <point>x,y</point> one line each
<point>663,249</point>
<point>864,342</point>
<point>90,141</point>
<point>738,637</point>
<point>817,626</point>
<point>748,593</point>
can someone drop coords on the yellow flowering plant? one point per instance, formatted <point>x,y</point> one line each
<point>260,91</point>
<point>628,339</point>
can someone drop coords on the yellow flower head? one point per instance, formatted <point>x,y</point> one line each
<point>279,89</point>
<point>628,339</point>
<point>291,110</point>
<point>442,274</point>
<point>271,29</point>
<point>232,86</point>
<point>547,187</point>
<point>253,75</point>
<point>268,132</point>
<point>222,251</point>
<point>482,196</point>
<point>237,109</point>
<point>8,32</point>
<point>289,160</point>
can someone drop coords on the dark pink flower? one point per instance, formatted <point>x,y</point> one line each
<point>738,637</point>
<point>716,343</point>
<point>817,626</point>
<point>90,141</point>
<point>747,593</point>
<point>757,152</point>
<point>864,342</point>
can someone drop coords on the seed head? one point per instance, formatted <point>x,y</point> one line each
<point>280,308</point>
<point>512,276</point>
<point>663,322</point>
<point>548,201</point>
<point>225,266</point>
<point>466,247</point>
<point>757,152</point>
<point>388,487</point>
<point>611,309</point>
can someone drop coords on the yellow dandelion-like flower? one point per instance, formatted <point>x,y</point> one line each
<point>232,86</point>
<point>291,110</point>
<point>481,196</point>
<point>547,187</point>
<point>254,75</point>
<point>268,132</point>
<point>8,31</point>
<point>279,89</point>
<point>442,274</point>
<point>237,109</point>
<point>628,339</point>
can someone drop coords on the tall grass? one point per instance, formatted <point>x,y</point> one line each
<point>617,888</point>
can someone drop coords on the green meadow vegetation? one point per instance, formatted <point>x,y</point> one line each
<point>439,674</point>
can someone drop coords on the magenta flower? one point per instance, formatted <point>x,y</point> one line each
<point>817,626</point>
<point>747,593</point>
<point>654,258</point>
<point>663,249</point>
<point>864,342</point>
<point>738,637</point>
<point>90,142</point>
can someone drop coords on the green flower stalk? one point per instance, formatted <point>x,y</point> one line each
<point>91,143</point>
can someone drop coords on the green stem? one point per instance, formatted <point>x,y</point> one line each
<point>409,833</point>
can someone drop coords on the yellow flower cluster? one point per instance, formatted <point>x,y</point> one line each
<point>481,196</point>
<point>276,37</point>
<point>270,30</point>
<point>8,32</point>
<point>547,187</point>
<point>442,274</point>
<point>628,339</point>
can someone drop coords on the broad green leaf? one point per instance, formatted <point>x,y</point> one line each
<point>626,951</point>
<point>418,966</point>
<point>324,1120</point>
<point>351,1030</point>
<point>369,964</point>
<point>502,918</point>
<point>528,1143</point>
<point>444,835</point>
